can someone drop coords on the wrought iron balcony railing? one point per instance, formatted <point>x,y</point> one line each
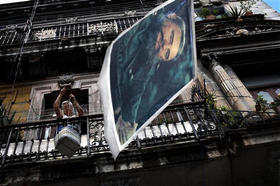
<point>70,29</point>
<point>96,28</point>
<point>187,123</point>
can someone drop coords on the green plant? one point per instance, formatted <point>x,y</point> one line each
<point>216,12</point>
<point>262,103</point>
<point>235,11</point>
<point>230,118</point>
<point>210,100</point>
<point>204,12</point>
<point>224,108</point>
<point>247,5</point>
<point>260,100</point>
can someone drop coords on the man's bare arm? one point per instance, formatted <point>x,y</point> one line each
<point>57,104</point>
<point>76,105</point>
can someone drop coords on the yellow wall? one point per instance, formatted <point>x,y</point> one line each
<point>16,101</point>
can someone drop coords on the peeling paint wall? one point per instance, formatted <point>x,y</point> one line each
<point>16,101</point>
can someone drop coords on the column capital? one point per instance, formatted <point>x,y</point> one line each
<point>210,60</point>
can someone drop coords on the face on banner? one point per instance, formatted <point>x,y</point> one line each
<point>168,40</point>
<point>149,64</point>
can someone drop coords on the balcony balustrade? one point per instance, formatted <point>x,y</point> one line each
<point>185,123</point>
<point>108,28</point>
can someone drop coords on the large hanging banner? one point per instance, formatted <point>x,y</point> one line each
<point>145,69</point>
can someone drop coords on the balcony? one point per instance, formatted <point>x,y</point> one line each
<point>72,28</point>
<point>178,124</point>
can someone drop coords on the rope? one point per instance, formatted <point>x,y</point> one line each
<point>18,57</point>
<point>27,28</point>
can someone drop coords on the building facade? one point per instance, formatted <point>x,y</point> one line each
<point>223,130</point>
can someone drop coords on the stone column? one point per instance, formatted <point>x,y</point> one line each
<point>246,96</point>
<point>206,79</point>
<point>236,93</point>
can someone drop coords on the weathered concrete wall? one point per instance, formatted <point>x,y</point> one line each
<point>27,99</point>
<point>249,167</point>
<point>211,172</point>
<point>17,101</point>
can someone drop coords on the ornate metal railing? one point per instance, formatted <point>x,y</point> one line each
<point>186,123</point>
<point>72,29</point>
<point>101,20</point>
<point>35,141</point>
<point>230,119</point>
<point>97,28</point>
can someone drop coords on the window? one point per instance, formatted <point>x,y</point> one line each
<point>266,96</point>
<point>43,96</point>
<point>48,100</point>
<point>277,91</point>
<point>259,74</point>
<point>269,93</point>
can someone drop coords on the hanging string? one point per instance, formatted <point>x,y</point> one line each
<point>18,57</point>
<point>27,30</point>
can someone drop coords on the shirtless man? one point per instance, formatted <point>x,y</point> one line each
<point>67,107</point>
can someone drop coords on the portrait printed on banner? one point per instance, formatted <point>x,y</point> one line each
<point>149,64</point>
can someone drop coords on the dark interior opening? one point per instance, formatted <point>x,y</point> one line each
<point>54,63</point>
<point>49,99</point>
<point>81,97</point>
<point>258,75</point>
<point>62,62</point>
<point>51,63</point>
<point>257,69</point>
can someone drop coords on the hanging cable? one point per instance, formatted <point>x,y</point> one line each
<point>27,29</point>
<point>18,57</point>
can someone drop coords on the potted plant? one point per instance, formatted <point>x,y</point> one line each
<point>211,17</point>
<point>204,12</point>
<point>246,7</point>
<point>261,104</point>
<point>243,10</point>
<point>234,11</point>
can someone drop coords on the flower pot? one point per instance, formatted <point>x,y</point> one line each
<point>248,13</point>
<point>258,107</point>
<point>211,17</point>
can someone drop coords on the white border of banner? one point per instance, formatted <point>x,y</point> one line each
<point>111,134</point>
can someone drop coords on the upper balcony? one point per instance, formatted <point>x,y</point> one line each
<point>97,32</point>
<point>61,25</point>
